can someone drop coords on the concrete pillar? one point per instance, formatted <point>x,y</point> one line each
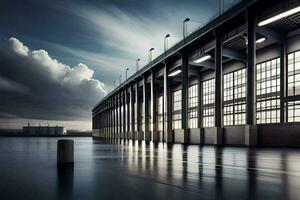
<point>184,98</point>
<point>283,83</point>
<point>218,89</point>
<point>147,134</point>
<point>251,129</point>
<point>154,135</point>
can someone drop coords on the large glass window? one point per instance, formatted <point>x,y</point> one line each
<point>193,106</point>
<point>208,88</point>
<point>160,113</point>
<point>268,91</point>
<point>177,109</point>
<point>235,97</point>
<point>294,86</point>
<point>294,111</point>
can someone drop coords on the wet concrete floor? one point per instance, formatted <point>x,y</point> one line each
<point>135,170</point>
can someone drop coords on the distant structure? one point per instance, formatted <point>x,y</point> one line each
<point>44,130</point>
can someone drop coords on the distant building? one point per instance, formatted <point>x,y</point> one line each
<point>44,130</point>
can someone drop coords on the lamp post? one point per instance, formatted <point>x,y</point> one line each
<point>166,42</point>
<point>114,83</point>
<point>137,64</point>
<point>126,72</point>
<point>150,55</point>
<point>185,21</point>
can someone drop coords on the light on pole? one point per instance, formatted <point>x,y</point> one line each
<point>137,64</point>
<point>150,55</point>
<point>126,72</point>
<point>185,21</point>
<point>166,42</point>
<point>115,84</point>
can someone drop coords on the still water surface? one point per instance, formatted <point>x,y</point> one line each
<point>136,170</point>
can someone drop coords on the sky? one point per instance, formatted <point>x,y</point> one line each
<point>58,58</point>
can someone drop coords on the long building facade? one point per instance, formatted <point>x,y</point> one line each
<point>234,81</point>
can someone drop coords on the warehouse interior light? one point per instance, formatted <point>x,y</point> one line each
<point>279,16</point>
<point>174,73</point>
<point>260,40</point>
<point>202,59</point>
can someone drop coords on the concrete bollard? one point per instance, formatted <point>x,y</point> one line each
<point>65,152</point>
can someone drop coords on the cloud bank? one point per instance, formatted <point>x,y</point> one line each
<point>34,85</point>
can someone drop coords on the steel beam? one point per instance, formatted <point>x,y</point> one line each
<point>269,33</point>
<point>230,53</point>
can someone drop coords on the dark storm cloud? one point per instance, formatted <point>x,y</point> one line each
<point>33,85</point>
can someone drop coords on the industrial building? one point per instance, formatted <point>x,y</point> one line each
<point>44,130</point>
<point>234,81</point>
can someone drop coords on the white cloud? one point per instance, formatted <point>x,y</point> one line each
<point>18,46</point>
<point>36,86</point>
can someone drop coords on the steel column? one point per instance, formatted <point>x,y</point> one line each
<point>153,107</point>
<point>184,97</point>
<point>124,112</point>
<point>283,83</point>
<point>136,109</point>
<point>218,81</point>
<point>132,115</point>
<point>251,69</point>
<point>146,110</point>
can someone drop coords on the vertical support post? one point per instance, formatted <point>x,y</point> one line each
<point>120,115</point>
<point>283,82</point>
<point>136,113</point>
<point>219,88</point>
<point>113,116</point>
<point>110,119</point>
<point>124,112</point>
<point>251,70</point>
<point>200,114</point>
<point>184,98</point>
<point>132,115</point>
<point>117,115</point>
<point>147,136</point>
<point>167,135</point>
<point>251,129</point>
<point>128,111</point>
<point>154,136</point>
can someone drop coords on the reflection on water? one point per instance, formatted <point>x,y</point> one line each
<point>125,169</point>
<point>217,172</point>
<point>65,178</point>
